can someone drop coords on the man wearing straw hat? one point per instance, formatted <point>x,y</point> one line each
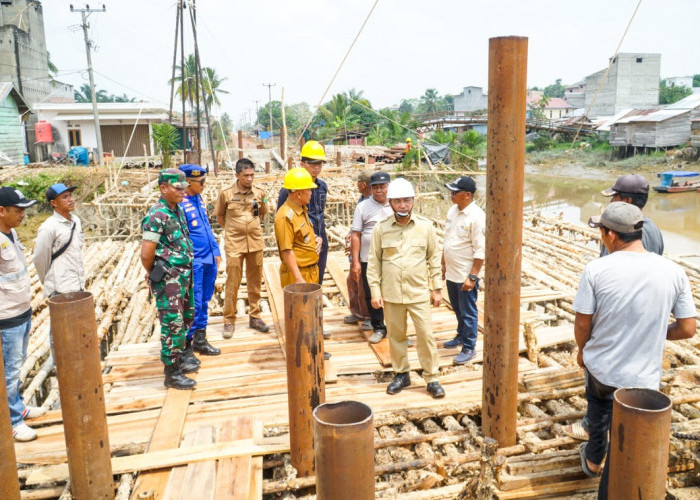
<point>622,306</point>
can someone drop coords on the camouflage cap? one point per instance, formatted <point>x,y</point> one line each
<point>173,176</point>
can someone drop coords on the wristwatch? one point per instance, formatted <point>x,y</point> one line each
<point>473,277</point>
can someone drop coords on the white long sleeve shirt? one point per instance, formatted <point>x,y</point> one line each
<point>66,273</point>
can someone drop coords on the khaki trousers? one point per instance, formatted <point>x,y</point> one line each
<point>395,317</point>
<point>309,273</point>
<point>234,273</point>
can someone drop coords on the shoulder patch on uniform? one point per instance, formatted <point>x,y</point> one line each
<point>290,214</point>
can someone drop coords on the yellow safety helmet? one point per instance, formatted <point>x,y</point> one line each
<point>408,139</point>
<point>313,151</point>
<point>298,178</point>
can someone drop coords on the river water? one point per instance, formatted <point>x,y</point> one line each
<point>576,199</point>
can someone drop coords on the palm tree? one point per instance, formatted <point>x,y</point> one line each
<point>84,94</point>
<point>430,98</point>
<point>212,86</point>
<point>210,83</point>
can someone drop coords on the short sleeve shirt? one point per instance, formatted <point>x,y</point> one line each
<point>631,296</point>
<point>241,224</point>
<point>367,214</point>
<point>465,240</point>
<point>168,228</point>
<point>294,231</point>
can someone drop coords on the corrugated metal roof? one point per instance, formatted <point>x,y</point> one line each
<point>103,116</point>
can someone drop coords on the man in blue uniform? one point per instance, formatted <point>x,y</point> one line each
<point>207,257</point>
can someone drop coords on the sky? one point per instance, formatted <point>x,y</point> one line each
<point>406,46</point>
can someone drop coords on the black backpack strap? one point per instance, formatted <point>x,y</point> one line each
<point>60,251</point>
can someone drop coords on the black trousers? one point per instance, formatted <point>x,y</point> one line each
<point>376,315</point>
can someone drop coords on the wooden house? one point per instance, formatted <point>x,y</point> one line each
<point>695,133</point>
<point>12,109</point>
<point>662,128</point>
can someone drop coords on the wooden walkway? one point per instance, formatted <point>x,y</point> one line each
<point>219,426</point>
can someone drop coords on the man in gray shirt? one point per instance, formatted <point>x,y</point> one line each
<point>634,189</point>
<point>622,309</point>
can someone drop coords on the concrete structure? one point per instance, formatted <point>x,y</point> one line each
<point>74,125</point>
<point>575,94</point>
<point>23,58</point>
<point>632,82</point>
<point>471,99</point>
<point>12,110</point>
<point>652,128</point>
<point>677,81</point>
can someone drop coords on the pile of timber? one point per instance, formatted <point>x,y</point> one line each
<point>393,154</point>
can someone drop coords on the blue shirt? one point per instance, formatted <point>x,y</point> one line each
<point>317,207</point>
<point>203,240</point>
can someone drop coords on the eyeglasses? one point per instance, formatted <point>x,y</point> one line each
<point>200,182</point>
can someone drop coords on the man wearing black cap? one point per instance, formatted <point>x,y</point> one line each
<point>462,258</point>
<point>623,305</point>
<point>634,189</point>
<point>58,252</point>
<point>16,310</point>
<point>367,214</point>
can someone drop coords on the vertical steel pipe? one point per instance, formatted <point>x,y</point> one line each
<point>344,451</point>
<point>240,144</point>
<point>505,175</point>
<point>9,480</point>
<point>77,353</point>
<point>303,324</point>
<point>639,444</point>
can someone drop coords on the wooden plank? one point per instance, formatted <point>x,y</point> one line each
<point>256,466</point>
<point>226,467</point>
<point>166,435</point>
<point>170,458</point>
<point>274,287</point>
<point>176,478</point>
<point>200,477</point>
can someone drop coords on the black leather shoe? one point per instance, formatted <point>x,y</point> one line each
<point>436,390</point>
<point>200,344</point>
<point>400,381</point>
<point>326,355</point>
<point>176,380</point>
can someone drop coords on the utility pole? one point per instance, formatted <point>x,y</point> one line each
<point>256,111</point>
<point>269,105</point>
<point>98,134</point>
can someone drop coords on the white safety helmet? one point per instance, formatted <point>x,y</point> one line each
<point>400,188</point>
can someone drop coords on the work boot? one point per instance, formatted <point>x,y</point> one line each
<point>188,358</point>
<point>175,379</point>
<point>188,362</point>
<point>228,331</point>
<point>259,325</point>
<point>436,390</point>
<point>200,344</point>
<point>400,381</point>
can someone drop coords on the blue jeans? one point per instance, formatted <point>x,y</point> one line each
<point>599,417</point>
<point>204,276</point>
<point>464,306</point>
<point>14,352</point>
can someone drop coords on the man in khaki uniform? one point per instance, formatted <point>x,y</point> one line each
<point>402,267</point>
<point>298,245</point>
<point>239,209</point>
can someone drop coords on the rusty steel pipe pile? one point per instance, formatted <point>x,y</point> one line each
<point>9,480</point>
<point>344,450</point>
<point>639,444</point>
<point>303,323</point>
<point>79,373</point>
<point>505,178</point>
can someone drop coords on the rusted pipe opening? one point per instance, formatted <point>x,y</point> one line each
<point>302,288</point>
<point>647,400</point>
<point>65,298</point>
<point>343,414</point>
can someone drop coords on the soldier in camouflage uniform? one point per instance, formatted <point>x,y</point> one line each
<point>167,254</point>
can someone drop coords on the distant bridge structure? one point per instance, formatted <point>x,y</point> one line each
<point>448,119</point>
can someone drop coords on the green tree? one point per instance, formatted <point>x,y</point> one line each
<point>53,70</point>
<point>165,138</point>
<point>555,90</point>
<point>696,80</point>
<point>430,101</point>
<point>406,106</point>
<point>84,94</point>
<point>210,83</point>
<point>670,94</point>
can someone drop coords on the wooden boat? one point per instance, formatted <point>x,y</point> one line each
<point>670,182</point>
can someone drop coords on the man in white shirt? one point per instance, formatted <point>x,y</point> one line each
<point>367,214</point>
<point>622,306</point>
<point>58,252</point>
<point>16,310</point>
<point>462,258</point>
